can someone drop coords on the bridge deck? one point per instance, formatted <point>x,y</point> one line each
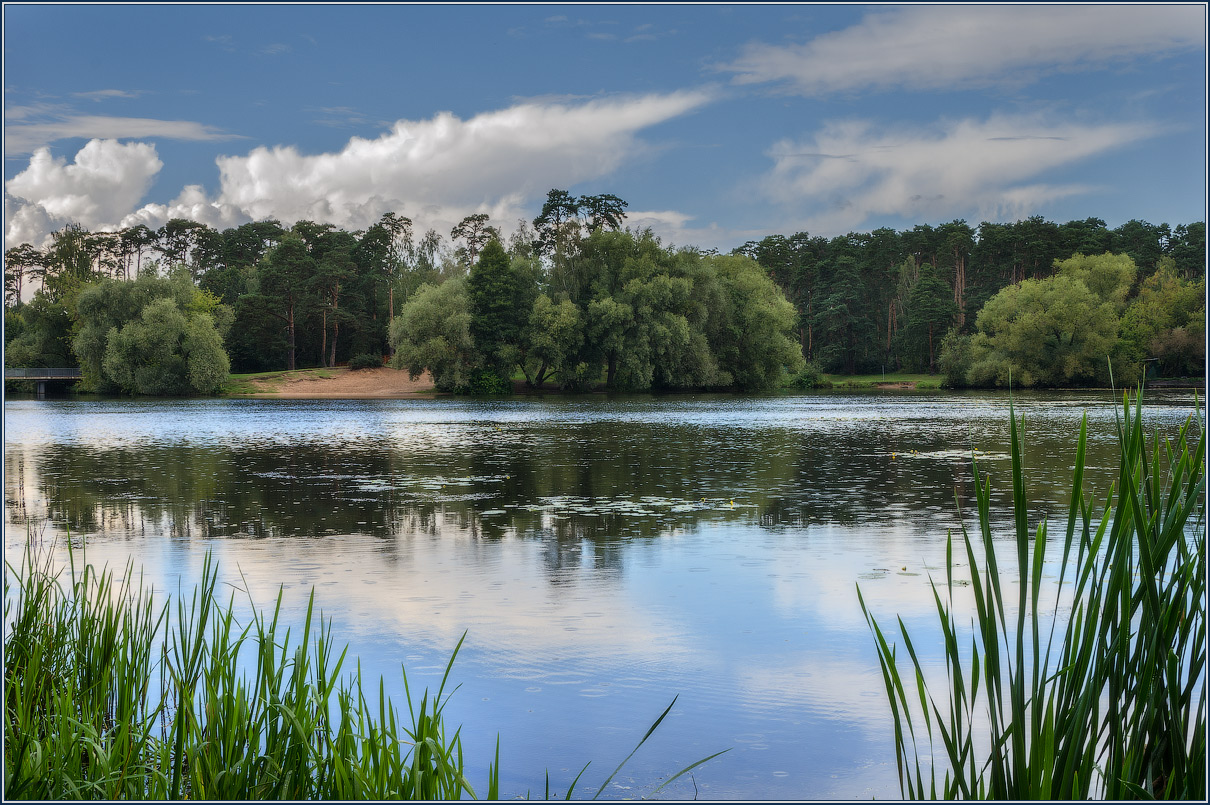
<point>42,374</point>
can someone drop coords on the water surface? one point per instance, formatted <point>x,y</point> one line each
<point>603,554</point>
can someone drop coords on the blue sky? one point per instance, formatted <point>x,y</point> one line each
<point>716,123</point>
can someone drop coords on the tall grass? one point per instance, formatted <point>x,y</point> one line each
<point>108,696</point>
<point>1105,701</point>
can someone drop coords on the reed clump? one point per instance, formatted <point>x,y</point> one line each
<point>109,696</point>
<point>1104,701</point>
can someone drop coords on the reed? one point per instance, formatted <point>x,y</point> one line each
<point>1106,701</point>
<point>108,696</point>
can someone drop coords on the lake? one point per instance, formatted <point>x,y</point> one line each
<point>602,554</point>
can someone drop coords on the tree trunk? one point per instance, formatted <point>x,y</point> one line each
<point>960,288</point>
<point>290,332</point>
<point>931,370</point>
<point>611,369</point>
<point>890,324</point>
<point>323,342</point>
<point>335,324</point>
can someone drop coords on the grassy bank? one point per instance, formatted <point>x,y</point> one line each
<point>269,382</point>
<point>903,379</point>
<point>1106,700</point>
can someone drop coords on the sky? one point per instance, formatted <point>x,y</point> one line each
<point>716,123</point>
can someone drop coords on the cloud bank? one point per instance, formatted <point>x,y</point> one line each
<point>937,47</point>
<point>849,171</point>
<point>435,171</point>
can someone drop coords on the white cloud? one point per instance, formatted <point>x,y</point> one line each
<point>107,94</point>
<point>435,171</point>
<point>24,138</point>
<point>106,180</point>
<point>491,162</point>
<point>848,171</point>
<point>950,47</point>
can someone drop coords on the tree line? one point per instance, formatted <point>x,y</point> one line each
<point>889,300</point>
<point>571,299</point>
<point>575,300</point>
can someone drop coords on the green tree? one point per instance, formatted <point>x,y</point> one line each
<point>136,240</point>
<point>844,317</point>
<point>557,227</point>
<point>44,337</point>
<point>21,263</point>
<point>1167,322</point>
<point>105,308</point>
<point>245,245</point>
<point>958,240</point>
<point>333,273</point>
<point>930,313</point>
<point>603,211</point>
<point>1188,248</point>
<point>68,262</point>
<point>166,351</point>
<point>285,275</point>
<point>756,347</point>
<point>607,322</point>
<point>1048,332</point>
<point>433,333</point>
<point>1109,276</point>
<point>475,232</point>
<point>553,338</point>
<point>495,320</point>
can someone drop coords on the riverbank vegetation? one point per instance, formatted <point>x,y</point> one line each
<point>917,300</point>
<point>576,300</point>
<point>110,695</point>
<point>1090,685</point>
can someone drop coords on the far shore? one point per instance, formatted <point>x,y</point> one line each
<point>339,383</point>
<point>387,383</point>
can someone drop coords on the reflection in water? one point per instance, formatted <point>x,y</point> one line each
<point>604,554</point>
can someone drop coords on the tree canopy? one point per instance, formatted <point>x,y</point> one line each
<point>576,300</point>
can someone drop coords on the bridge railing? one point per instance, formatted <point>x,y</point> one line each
<point>42,374</point>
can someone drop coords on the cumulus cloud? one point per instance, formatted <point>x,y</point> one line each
<point>849,171</point>
<point>951,47</point>
<point>106,180</point>
<point>435,171</point>
<point>491,162</point>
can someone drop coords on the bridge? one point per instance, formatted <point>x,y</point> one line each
<point>43,376</point>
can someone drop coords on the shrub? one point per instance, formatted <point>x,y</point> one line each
<point>365,360</point>
<point>810,377</point>
<point>487,382</point>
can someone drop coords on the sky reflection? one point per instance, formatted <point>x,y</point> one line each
<point>603,556</point>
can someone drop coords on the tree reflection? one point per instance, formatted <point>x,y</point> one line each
<point>584,490</point>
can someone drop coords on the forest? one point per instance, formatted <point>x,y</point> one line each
<point>1050,301</point>
<point>575,300</point>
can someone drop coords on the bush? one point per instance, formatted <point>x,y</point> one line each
<point>954,360</point>
<point>365,360</point>
<point>810,377</point>
<point>487,382</point>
